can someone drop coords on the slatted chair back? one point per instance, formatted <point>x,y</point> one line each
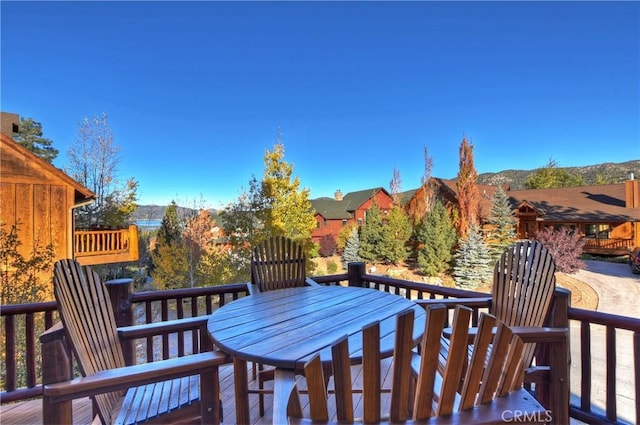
<point>523,286</point>
<point>492,373</point>
<point>278,263</point>
<point>88,318</point>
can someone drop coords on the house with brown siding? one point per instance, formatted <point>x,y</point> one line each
<point>38,199</point>
<point>608,216</point>
<point>447,191</point>
<point>332,214</point>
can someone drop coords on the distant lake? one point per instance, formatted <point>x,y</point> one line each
<point>148,224</point>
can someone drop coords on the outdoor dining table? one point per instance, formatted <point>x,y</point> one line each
<point>284,328</point>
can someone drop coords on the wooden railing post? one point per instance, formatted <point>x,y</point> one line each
<point>121,292</point>
<point>134,251</point>
<point>355,270</point>
<point>56,367</point>
<point>554,394</point>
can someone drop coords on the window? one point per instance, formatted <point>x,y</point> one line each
<point>598,231</point>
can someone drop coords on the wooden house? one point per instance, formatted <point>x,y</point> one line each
<point>39,199</point>
<point>446,191</point>
<point>332,214</point>
<point>608,216</point>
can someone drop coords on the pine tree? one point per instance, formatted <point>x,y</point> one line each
<point>551,176</point>
<point>351,248</point>
<point>395,232</point>
<point>472,260</point>
<point>436,237</point>
<point>371,235</point>
<point>170,257</point>
<point>170,227</point>
<point>29,135</point>
<point>290,212</point>
<point>503,232</point>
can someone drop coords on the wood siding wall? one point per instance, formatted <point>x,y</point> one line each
<point>41,213</point>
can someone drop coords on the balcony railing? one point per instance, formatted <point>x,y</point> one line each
<point>105,246</point>
<point>611,246</point>
<point>23,324</point>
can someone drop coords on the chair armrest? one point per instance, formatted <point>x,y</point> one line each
<point>526,333</point>
<point>162,328</point>
<point>541,334</point>
<point>132,376</point>
<point>451,303</point>
<point>311,282</point>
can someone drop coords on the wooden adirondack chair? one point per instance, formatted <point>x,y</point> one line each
<point>523,285</point>
<point>491,393</point>
<point>174,390</point>
<point>276,263</point>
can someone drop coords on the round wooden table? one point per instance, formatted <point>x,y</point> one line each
<point>286,327</point>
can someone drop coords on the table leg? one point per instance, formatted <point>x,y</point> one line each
<point>285,396</point>
<point>241,385</point>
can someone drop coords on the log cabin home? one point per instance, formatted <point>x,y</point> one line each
<point>608,216</point>
<point>39,199</point>
<point>332,214</point>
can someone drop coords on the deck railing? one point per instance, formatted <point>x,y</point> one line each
<point>20,329</point>
<point>614,246</point>
<point>104,246</point>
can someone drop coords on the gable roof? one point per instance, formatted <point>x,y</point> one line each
<point>20,163</point>
<point>601,203</point>
<point>334,209</point>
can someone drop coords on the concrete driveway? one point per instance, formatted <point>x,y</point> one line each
<point>619,293</point>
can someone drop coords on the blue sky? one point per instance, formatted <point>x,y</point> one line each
<point>195,92</point>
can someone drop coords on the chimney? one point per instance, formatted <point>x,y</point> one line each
<point>631,192</point>
<point>9,123</point>
<point>338,195</point>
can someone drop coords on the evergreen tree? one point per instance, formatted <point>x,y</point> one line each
<point>273,206</point>
<point>395,232</point>
<point>289,212</point>
<point>345,234</point>
<point>436,237</point>
<point>503,232</point>
<point>170,227</point>
<point>551,176</point>
<point>243,222</point>
<point>170,261</point>
<point>170,257</point>
<point>371,235</point>
<point>472,260</point>
<point>350,254</point>
<point>29,135</point>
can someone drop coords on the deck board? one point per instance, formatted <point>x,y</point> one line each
<point>30,412</point>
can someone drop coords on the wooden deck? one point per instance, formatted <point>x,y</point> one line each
<point>30,412</point>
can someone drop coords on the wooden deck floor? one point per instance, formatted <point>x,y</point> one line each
<point>30,412</point>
